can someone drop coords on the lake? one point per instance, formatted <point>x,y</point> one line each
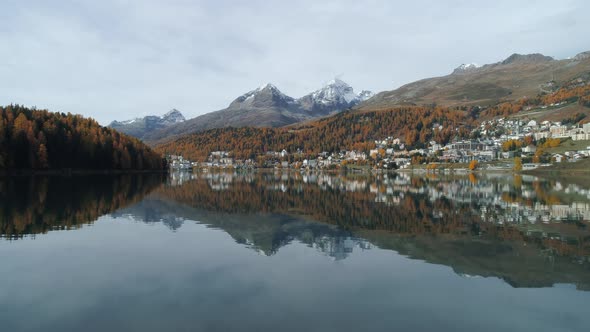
<point>294,252</point>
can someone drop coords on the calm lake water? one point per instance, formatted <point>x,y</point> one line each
<point>293,252</point>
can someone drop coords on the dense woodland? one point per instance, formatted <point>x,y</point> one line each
<point>39,139</point>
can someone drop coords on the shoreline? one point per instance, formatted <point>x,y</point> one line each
<point>69,172</point>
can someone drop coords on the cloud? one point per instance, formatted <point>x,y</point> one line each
<point>121,59</point>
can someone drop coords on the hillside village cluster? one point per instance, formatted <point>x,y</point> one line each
<point>391,153</point>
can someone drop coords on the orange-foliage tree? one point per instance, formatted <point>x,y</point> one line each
<point>567,94</point>
<point>570,92</point>
<point>517,164</point>
<point>511,145</point>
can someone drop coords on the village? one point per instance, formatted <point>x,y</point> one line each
<point>490,144</point>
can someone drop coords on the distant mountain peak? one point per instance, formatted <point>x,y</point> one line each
<point>138,127</point>
<point>466,68</point>
<point>173,116</point>
<point>527,58</point>
<point>334,91</point>
<point>173,111</point>
<point>337,82</point>
<point>266,95</point>
<point>336,95</point>
<point>364,95</point>
<point>582,56</point>
<point>267,86</point>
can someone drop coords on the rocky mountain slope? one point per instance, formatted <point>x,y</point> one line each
<point>267,106</point>
<point>139,127</point>
<point>513,78</point>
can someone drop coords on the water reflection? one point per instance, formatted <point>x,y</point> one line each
<point>38,204</point>
<point>530,232</point>
<point>293,252</point>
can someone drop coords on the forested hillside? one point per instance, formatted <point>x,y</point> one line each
<point>39,139</point>
<point>348,130</point>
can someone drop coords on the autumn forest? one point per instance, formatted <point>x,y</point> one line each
<point>39,139</point>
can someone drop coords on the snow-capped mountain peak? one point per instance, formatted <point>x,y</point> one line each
<point>364,95</point>
<point>173,116</point>
<point>334,96</point>
<point>138,127</point>
<point>335,91</point>
<point>268,86</point>
<point>465,68</point>
<point>266,95</point>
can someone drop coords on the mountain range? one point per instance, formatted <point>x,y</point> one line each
<point>265,106</point>
<point>139,127</point>
<point>515,77</point>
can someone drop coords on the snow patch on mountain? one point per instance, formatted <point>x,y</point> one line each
<point>127,122</point>
<point>338,92</point>
<point>335,91</point>
<point>265,96</point>
<point>364,95</point>
<point>466,68</point>
<point>173,116</point>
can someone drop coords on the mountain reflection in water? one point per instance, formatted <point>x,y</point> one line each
<point>530,232</point>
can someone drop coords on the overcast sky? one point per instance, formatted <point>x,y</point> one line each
<point>112,59</point>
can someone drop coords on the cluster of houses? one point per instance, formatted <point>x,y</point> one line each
<point>488,145</point>
<point>391,152</point>
<point>179,163</point>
